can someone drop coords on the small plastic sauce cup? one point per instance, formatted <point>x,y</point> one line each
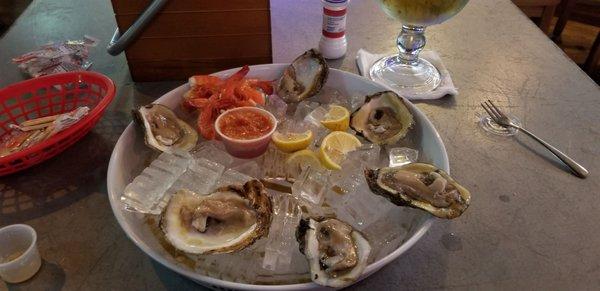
<point>19,255</point>
<point>246,148</point>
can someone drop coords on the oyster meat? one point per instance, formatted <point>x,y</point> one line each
<point>383,119</point>
<point>336,253</point>
<point>225,221</point>
<point>303,78</point>
<point>420,186</point>
<point>163,130</point>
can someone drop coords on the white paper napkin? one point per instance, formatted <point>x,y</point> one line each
<point>365,60</point>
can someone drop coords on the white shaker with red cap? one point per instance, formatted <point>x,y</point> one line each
<point>333,42</point>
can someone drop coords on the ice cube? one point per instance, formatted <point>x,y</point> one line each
<point>213,151</point>
<point>167,164</point>
<point>311,185</point>
<point>249,168</point>
<point>281,241</point>
<point>276,106</point>
<point>402,156</point>
<point>201,177</point>
<point>304,108</point>
<point>352,199</point>
<point>188,181</point>
<point>293,126</point>
<point>145,193</point>
<point>319,132</point>
<point>316,115</point>
<point>205,167</point>
<point>177,161</point>
<point>344,183</point>
<point>367,153</point>
<point>273,163</point>
<point>232,177</point>
<point>362,208</point>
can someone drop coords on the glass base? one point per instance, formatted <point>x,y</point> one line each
<point>487,124</point>
<point>422,77</point>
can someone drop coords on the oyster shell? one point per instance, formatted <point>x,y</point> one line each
<point>383,119</point>
<point>303,78</point>
<point>163,130</point>
<point>336,253</point>
<point>225,221</point>
<point>420,186</point>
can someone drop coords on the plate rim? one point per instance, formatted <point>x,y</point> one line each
<point>204,279</point>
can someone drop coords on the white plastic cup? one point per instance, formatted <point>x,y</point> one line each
<point>19,255</point>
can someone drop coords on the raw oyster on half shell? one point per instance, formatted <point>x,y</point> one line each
<point>337,254</point>
<point>420,186</point>
<point>303,78</point>
<point>225,221</point>
<point>163,130</point>
<point>383,119</point>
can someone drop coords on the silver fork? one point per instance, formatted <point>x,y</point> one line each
<point>501,119</point>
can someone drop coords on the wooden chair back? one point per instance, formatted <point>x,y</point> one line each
<point>542,9</point>
<point>190,37</point>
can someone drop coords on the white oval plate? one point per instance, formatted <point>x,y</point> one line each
<point>130,155</point>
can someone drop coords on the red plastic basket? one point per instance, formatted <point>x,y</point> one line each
<point>50,95</point>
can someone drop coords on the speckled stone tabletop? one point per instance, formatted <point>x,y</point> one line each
<point>531,224</point>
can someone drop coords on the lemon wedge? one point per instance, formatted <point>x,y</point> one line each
<point>291,142</point>
<point>337,118</point>
<point>299,160</point>
<point>334,148</point>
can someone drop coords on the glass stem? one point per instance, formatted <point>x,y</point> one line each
<point>411,41</point>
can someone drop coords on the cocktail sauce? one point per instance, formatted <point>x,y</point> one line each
<point>245,124</point>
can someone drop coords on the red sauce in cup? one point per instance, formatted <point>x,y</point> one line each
<point>245,124</point>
